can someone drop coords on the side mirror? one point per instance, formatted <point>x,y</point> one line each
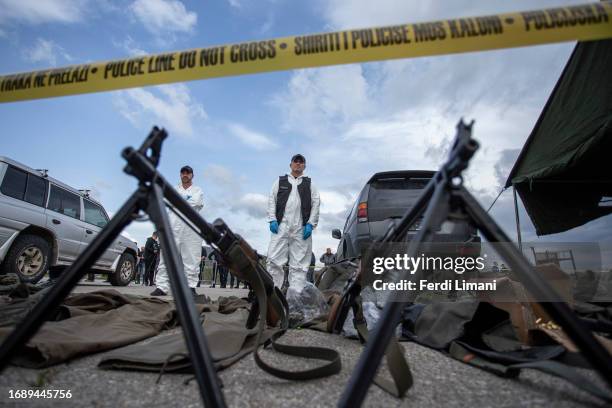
<point>336,233</point>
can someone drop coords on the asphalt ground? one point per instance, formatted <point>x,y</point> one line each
<point>440,381</point>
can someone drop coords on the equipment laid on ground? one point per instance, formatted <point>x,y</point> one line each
<point>149,197</point>
<point>154,193</point>
<point>446,196</point>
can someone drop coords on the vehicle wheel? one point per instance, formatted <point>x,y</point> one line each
<point>28,258</point>
<point>124,272</point>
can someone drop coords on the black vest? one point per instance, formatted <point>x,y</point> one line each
<point>284,189</point>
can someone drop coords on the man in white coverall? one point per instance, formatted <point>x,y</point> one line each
<point>293,212</point>
<point>188,242</point>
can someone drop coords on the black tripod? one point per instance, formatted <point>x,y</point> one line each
<point>149,197</point>
<point>445,195</point>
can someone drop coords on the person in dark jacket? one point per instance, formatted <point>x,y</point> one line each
<point>311,268</point>
<point>140,267</point>
<point>202,267</point>
<point>222,269</point>
<point>293,214</point>
<point>151,253</point>
<point>328,257</point>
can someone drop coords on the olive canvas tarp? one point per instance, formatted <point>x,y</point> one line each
<point>564,171</point>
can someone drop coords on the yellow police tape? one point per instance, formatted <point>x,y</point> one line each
<point>576,23</point>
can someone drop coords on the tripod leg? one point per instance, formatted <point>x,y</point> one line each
<point>199,353</point>
<point>69,279</point>
<point>375,348</point>
<point>594,352</point>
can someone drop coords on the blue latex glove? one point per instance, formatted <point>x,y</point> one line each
<point>274,227</point>
<point>307,231</point>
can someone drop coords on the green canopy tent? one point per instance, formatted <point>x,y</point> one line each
<point>564,171</point>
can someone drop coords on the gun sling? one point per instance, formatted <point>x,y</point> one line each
<point>277,301</point>
<point>398,366</point>
<point>351,299</point>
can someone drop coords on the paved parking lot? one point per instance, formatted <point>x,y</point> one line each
<point>439,380</point>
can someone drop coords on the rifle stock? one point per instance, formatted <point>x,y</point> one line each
<point>244,263</point>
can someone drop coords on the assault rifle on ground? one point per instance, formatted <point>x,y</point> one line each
<point>152,197</point>
<point>444,196</point>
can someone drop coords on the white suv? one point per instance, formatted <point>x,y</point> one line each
<point>45,223</point>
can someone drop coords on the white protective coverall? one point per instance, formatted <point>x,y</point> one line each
<point>188,242</point>
<point>289,244</point>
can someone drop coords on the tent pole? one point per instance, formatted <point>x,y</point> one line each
<point>516,217</point>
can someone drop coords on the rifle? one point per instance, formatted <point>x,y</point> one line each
<point>268,303</point>
<point>153,194</point>
<point>401,376</point>
<point>444,195</point>
<point>235,252</point>
<point>243,261</point>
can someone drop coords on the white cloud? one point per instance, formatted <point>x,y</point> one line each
<point>46,51</point>
<point>164,16</point>
<point>219,174</point>
<point>47,11</point>
<point>130,46</point>
<point>171,106</point>
<point>402,114</point>
<point>333,202</point>
<point>235,3</point>
<point>267,25</point>
<point>255,140</point>
<point>342,14</point>
<point>254,204</point>
<point>227,183</point>
<point>317,97</point>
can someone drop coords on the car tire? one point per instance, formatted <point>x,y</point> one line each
<point>124,273</point>
<point>28,258</point>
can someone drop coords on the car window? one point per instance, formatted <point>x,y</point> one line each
<point>393,192</point>
<point>94,214</point>
<point>64,202</point>
<point>391,197</point>
<point>35,190</point>
<point>14,183</point>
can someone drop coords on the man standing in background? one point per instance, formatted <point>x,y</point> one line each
<point>151,252</point>
<point>140,266</point>
<point>293,212</point>
<point>188,242</point>
<point>328,257</point>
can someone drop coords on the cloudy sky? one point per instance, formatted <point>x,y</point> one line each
<point>239,133</point>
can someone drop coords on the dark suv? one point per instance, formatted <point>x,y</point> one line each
<point>385,198</point>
